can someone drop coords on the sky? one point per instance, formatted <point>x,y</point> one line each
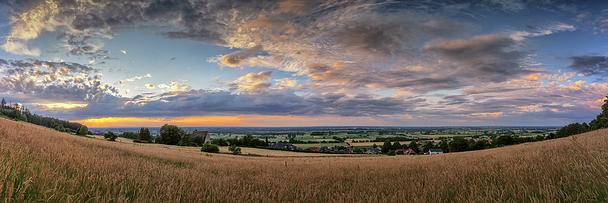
<point>142,63</point>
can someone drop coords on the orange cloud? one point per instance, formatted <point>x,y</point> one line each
<point>238,120</point>
<point>487,114</point>
<point>532,77</point>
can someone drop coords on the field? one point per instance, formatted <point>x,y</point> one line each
<point>39,164</point>
<point>279,153</point>
<point>306,146</point>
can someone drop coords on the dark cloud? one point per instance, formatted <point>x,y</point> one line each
<point>491,58</point>
<point>590,65</point>
<point>204,102</point>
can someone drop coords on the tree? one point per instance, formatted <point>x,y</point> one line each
<point>396,145</point>
<point>444,145</point>
<point>3,104</point>
<point>458,144</point>
<point>572,129</point>
<point>144,135</point>
<point>478,145</point>
<point>427,146</point>
<point>130,135</point>
<point>414,146</point>
<point>210,148</point>
<point>386,147</point>
<point>83,130</point>
<point>601,121</point>
<point>110,136</point>
<point>186,140</point>
<point>170,134</point>
<point>504,140</point>
<point>234,149</point>
<point>198,140</point>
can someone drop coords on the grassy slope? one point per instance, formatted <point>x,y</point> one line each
<point>41,164</point>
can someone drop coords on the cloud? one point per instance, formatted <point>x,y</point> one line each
<point>346,38</point>
<point>492,58</point>
<point>601,22</point>
<point>174,86</point>
<point>135,78</point>
<point>351,58</point>
<point>53,81</point>
<point>150,86</point>
<point>543,31</point>
<point>286,83</point>
<point>28,25</point>
<point>590,64</point>
<point>19,48</point>
<point>252,82</point>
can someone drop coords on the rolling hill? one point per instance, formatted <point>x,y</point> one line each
<point>40,164</point>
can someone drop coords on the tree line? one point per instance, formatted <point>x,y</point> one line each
<point>21,113</point>
<point>169,135</point>
<point>600,122</point>
<point>459,144</point>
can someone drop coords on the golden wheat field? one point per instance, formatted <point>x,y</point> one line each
<point>39,164</point>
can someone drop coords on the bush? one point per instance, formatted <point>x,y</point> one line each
<point>83,130</point>
<point>170,134</point>
<point>110,136</point>
<point>211,148</point>
<point>234,149</point>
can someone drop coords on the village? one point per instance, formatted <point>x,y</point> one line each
<point>360,140</point>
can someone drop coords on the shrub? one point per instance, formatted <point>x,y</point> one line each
<point>83,130</point>
<point>211,148</point>
<point>234,149</point>
<point>110,136</point>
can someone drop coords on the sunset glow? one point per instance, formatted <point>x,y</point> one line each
<point>62,105</point>
<point>223,121</point>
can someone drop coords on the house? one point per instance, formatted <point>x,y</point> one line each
<point>409,151</point>
<point>203,134</point>
<point>373,150</point>
<point>17,106</point>
<point>435,151</point>
<point>399,151</point>
<point>404,151</point>
<point>283,145</point>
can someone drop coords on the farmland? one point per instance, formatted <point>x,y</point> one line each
<point>39,164</point>
<point>357,140</point>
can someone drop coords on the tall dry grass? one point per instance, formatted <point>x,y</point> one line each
<point>39,164</point>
